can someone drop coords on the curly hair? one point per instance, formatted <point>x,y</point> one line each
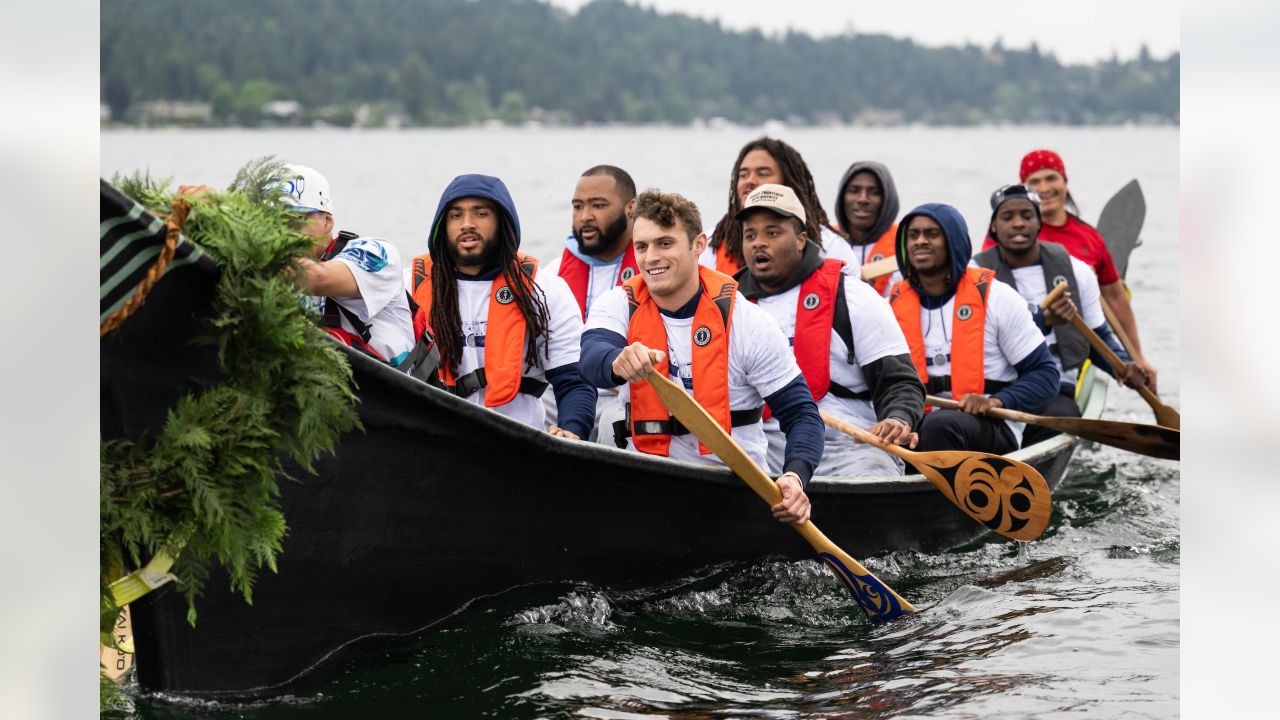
<point>795,175</point>
<point>665,209</point>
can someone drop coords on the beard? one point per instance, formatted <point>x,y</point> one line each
<point>485,259</point>
<point>606,238</point>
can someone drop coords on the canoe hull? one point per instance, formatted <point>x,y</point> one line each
<point>439,502</point>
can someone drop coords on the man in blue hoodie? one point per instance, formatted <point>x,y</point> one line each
<point>970,336</point>
<point>504,330</point>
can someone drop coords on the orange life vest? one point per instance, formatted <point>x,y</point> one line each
<point>815,314</point>
<point>577,274</point>
<point>883,248</point>
<point>710,344</point>
<point>968,328</point>
<point>724,262</point>
<point>504,333</point>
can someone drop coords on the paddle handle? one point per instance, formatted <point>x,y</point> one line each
<point>1002,413</point>
<point>864,436</point>
<point>1125,342</point>
<point>879,268</point>
<point>1053,295</point>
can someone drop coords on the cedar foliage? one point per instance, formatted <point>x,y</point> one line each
<point>206,489</point>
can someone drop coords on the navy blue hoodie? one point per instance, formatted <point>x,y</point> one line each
<point>481,186</point>
<point>1037,381</point>
<point>575,399</point>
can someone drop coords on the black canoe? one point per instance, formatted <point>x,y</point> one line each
<point>440,502</point>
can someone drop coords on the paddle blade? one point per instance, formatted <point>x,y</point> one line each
<point>1009,497</point>
<point>879,601</point>
<point>1168,417</point>
<point>1150,440</point>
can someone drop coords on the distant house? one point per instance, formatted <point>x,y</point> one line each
<point>177,111</point>
<point>283,111</point>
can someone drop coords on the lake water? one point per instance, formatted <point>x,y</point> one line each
<point>1083,622</point>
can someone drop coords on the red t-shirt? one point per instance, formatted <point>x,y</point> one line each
<point>1083,243</point>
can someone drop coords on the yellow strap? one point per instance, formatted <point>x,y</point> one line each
<point>143,580</point>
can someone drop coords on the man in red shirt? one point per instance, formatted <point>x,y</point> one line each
<point>1044,172</point>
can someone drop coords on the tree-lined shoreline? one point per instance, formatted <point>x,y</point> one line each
<point>449,63</point>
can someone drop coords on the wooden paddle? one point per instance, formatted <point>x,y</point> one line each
<point>1165,415</point>
<point>879,601</point>
<point>879,268</point>
<point>1008,496</point>
<point>1152,440</point>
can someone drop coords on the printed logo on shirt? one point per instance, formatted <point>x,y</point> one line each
<point>367,255</point>
<point>505,296</point>
<point>473,333</point>
<point>965,312</point>
<point>811,301</point>
<point>702,336</point>
<point>1060,280</point>
<point>627,274</point>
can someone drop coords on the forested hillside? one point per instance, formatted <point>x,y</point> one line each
<point>448,62</point>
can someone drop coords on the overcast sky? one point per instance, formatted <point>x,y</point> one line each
<point>1074,30</point>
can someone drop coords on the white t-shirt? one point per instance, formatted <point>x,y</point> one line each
<point>832,246</point>
<point>1010,335</point>
<point>563,348</point>
<point>382,304</point>
<point>875,335</point>
<point>1031,287</point>
<point>760,364</point>
<point>604,275</point>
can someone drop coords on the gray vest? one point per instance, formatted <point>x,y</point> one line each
<point>1071,347</point>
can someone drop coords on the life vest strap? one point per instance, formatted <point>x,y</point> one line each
<point>942,383</point>
<point>671,426</point>
<point>845,393</point>
<point>475,381</point>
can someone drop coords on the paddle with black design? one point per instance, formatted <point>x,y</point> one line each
<point>1008,496</point>
<point>1165,415</point>
<point>879,601</point>
<point>1151,440</point>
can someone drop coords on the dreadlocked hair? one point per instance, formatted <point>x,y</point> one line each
<point>446,319</point>
<point>795,175</point>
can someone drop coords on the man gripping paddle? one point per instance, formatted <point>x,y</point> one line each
<point>692,322</point>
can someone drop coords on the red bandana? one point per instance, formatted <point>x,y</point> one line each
<point>1040,159</point>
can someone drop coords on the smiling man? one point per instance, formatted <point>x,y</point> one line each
<point>692,323</point>
<point>844,336</point>
<point>970,336</point>
<point>866,208</point>
<point>504,330</point>
<point>1032,268</point>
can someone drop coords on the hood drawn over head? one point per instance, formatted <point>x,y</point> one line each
<point>959,245</point>
<point>888,209</point>
<point>472,185</point>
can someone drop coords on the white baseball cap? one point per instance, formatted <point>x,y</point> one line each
<point>306,189</point>
<point>778,198</point>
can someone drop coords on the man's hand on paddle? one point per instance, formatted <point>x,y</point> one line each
<point>794,508</point>
<point>1060,311</point>
<point>979,404</point>
<point>894,432</point>
<point>636,362</point>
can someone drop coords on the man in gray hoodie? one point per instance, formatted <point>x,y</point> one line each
<point>866,210</point>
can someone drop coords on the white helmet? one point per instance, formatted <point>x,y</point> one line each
<point>306,189</point>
